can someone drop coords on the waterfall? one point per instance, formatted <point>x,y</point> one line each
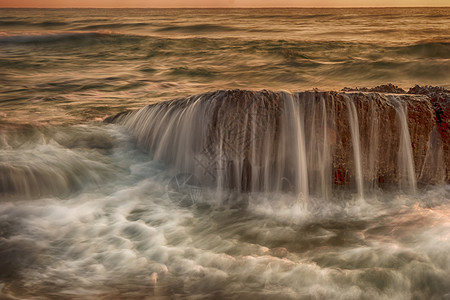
<point>354,127</point>
<point>304,143</point>
<point>405,158</point>
<point>294,123</point>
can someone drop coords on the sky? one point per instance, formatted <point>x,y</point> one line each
<point>218,3</point>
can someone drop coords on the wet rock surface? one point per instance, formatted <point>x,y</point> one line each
<point>440,98</point>
<point>313,140</point>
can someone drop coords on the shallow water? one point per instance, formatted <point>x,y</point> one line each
<point>85,213</point>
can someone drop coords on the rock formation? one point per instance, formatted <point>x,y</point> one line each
<point>306,142</point>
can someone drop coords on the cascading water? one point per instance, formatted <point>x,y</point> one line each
<point>308,143</point>
<point>295,123</point>
<point>406,161</point>
<point>354,127</point>
<point>37,162</point>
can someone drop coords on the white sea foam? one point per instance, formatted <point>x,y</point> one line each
<point>129,238</point>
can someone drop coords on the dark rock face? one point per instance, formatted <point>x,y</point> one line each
<point>385,88</point>
<point>306,142</point>
<point>440,98</point>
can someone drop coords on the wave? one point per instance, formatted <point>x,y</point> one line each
<point>288,15</point>
<point>13,23</point>
<point>310,50</point>
<point>113,26</point>
<point>192,72</point>
<point>26,23</point>
<point>52,37</point>
<point>38,161</point>
<point>197,28</point>
<point>438,48</point>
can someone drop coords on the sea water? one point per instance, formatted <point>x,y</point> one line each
<point>85,213</point>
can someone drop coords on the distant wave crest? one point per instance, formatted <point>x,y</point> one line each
<point>435,48</point>
<point>7,23</point>
<point>197,28</point>
<point>113,26</point>
<point>52,37</point>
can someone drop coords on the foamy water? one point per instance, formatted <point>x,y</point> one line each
<point>123,237</point>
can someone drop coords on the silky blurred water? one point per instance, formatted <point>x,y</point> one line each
<point>84,212</point>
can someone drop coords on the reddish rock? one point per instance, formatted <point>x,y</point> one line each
<point>440,99</point>
<point>266,141</point>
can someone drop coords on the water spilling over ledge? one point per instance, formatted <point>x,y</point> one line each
<point>85,213</point>
<point>307,143</point>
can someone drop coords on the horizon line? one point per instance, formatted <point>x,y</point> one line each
<point>222,7</point>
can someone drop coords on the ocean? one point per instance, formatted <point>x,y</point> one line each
<point>87,209</point>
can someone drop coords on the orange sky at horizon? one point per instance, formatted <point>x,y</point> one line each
<point>217,3</point>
